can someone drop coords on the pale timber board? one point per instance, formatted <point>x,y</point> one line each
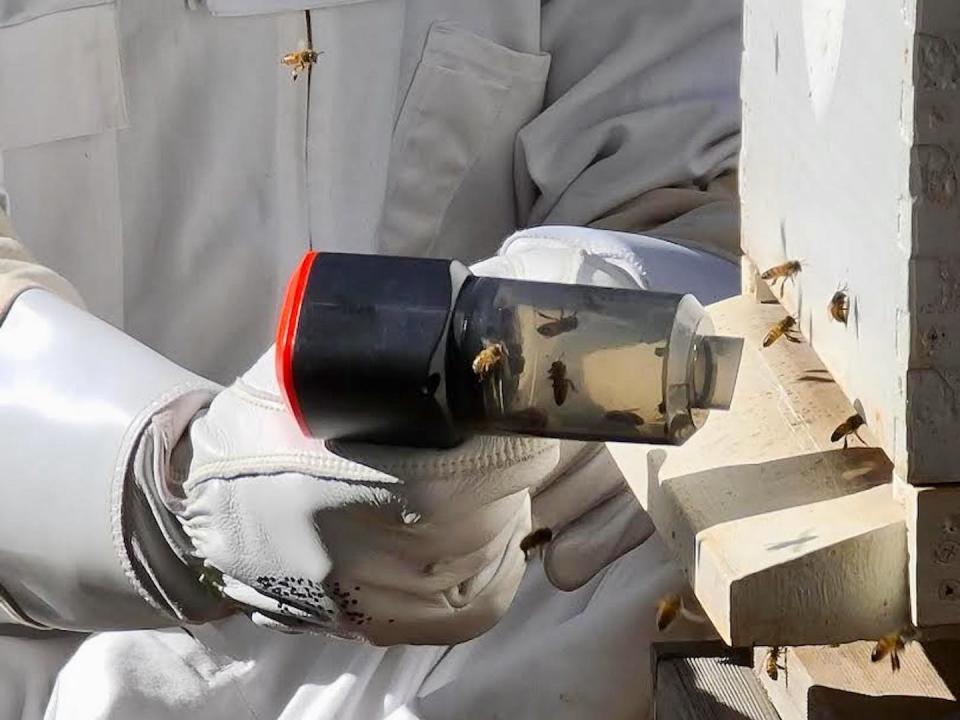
<point>825,683</point>
<point>785,538</point>
<point>718,684</point>
<point>825,180</point>
<point>851,148</point>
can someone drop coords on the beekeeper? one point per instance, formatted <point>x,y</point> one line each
<point>164,172</point>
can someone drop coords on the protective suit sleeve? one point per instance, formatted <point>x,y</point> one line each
<point>19,271</point>
<point>89,417</point>
<point>641,96</point>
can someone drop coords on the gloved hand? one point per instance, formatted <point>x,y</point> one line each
<point>389,544</point>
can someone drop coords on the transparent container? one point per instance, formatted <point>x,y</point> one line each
<point>586,363</point>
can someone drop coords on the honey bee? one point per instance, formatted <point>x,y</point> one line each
<point>848,427</point>
<point>785,329</point>
<point>839,306</point>
<point>771,663</point>
<point>531,418</point>
<point>557,326</point>
<point>623,417</point>
<point>892,644</point>
<point>561,383</point>
<point>537,539</point>
<point>488,359</point>
<point>300,60</point>
<point>668,607</point>
<point>782,272</point>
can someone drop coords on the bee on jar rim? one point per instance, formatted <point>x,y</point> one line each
<point>771,663</point>
<point>893,644</point>
<point>839,306</point>
<point>785,328</point>
<point>537,539</point>
<point>557,325</point>
<point>848,427</point>
<point>624,417</point>
<point>488,359</point>
<point>781,272</point>
<point>300,60</point>
<point>560,382</point>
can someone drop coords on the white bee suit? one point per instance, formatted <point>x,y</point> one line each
<point>163,162</point>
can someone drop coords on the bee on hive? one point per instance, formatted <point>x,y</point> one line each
<point>848,427</point>
<point>785,328</point>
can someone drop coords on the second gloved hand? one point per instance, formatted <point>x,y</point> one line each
<point>392,545</point>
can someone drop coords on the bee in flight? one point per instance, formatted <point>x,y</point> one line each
<point>668,607</point>
<point>892,644</point>
<point>839,306</point>
<point>537,539</point>
<point>771,663</point>
<point>623,417</point>
<point>300,60</point>
<point>848,427</point>
<point>560,382</point>
<point>785,328</point>
<point>781,272</point>
<point>557,325</point>
<point>488,359</point>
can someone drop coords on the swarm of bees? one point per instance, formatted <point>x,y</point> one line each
<point>893,644</point>
<point>300,60</point>
<point>535,540</point>
<point>848,427</point>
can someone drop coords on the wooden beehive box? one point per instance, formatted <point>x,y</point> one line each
<point>850,142</point>
<point>851,136</point>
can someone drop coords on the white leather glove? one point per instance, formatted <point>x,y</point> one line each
<point>388,544</point>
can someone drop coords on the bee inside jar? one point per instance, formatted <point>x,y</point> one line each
<point>557,325</point>
<point>488,359</point>
<point>560,382</point>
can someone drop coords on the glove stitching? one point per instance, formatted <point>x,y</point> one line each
<point>568,243</point>
<point>261,398</point>
<point>236,468</point>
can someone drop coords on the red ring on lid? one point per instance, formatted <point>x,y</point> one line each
<point>287,336</point>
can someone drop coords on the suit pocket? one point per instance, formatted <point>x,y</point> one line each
<point>468,99</point>
<point>59,71</point>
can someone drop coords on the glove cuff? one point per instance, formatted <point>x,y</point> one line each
<point>82,545</point>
